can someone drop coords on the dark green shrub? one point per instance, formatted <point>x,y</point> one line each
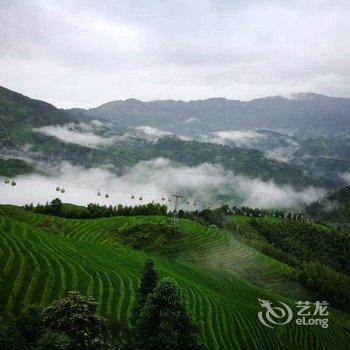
<point>147,235</point>
<point>328,283</point>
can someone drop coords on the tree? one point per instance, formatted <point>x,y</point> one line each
<point>149,281</point>
<point>75,316</point>
<point>10,339</point>
<point>165,322</point>
<point>54,341</point>
<point>56,206</point>
<point>225,209</point>
<point>328,283</point>
<point>30,323</point>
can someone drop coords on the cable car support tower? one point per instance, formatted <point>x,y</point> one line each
<point>176,206</point>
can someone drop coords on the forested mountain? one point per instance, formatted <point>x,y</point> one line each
<point>304,114</point>
<point>17,110</point>
<point>24,137</point>
<point>338,148</point>
<point>36,131</point>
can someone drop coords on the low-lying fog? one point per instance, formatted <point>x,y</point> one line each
<point>96,134</point>
<point>204,184</point>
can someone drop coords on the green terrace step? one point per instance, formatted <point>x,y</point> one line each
<point>37,266</point>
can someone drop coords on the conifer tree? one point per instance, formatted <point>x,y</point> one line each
<point>164,321</point>
<point>149,281</point>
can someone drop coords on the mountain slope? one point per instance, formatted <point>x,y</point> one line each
<point>326,157</point>
<point>38,266</point>
<point>22,140</point>
<point>306,114</point>
<point>336,207</point>
<point>19,110</point>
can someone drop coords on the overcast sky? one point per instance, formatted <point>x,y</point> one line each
<point>84,53</point>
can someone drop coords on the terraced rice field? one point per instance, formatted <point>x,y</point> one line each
<point>39,266</point>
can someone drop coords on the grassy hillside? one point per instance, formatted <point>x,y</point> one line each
<point>41,258</point>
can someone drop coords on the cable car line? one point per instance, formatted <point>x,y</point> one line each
<point>60,187</point>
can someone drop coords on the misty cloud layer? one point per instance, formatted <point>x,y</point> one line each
<point>239,138</point>
<point>274,145</point>
<point>282,154</point>
<point>202,184</point>
<point>151,133</point>
<point>98,51</point>
<point>83,134</point>
<point>345,177</point>
<point>96,134</point>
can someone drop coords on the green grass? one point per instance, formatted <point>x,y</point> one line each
<point>39,266</point>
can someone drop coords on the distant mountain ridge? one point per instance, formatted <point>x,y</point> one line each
<point>303,114</point>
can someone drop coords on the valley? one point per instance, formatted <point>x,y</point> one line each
<point>262,216</point>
